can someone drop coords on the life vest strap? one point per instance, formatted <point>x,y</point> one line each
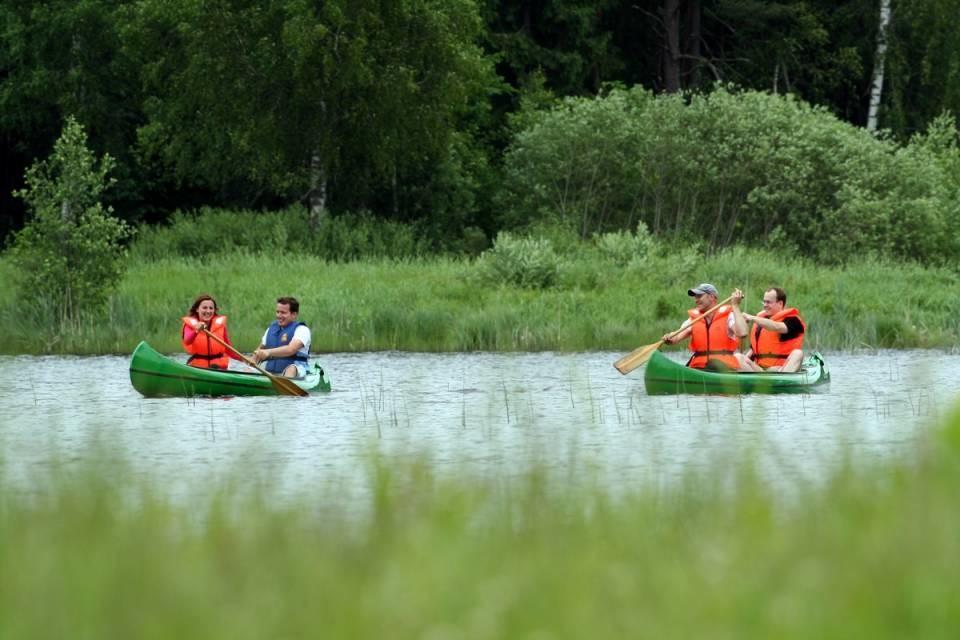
<point>713,353</point>
<point>204,356</point>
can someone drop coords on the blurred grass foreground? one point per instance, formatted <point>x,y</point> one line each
<point>868,553</point>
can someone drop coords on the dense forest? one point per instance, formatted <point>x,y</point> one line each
<point>718,118</point>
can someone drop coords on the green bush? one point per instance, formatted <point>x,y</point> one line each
<point>733,167</point>
<point>525,262</point>
<point>573,164</point>
<point>623,247</point>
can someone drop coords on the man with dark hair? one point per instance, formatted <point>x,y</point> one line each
<point>285,346</point>
<point>776,339</point>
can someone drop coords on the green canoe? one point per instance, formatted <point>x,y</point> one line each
<point>665,376</point>
<point>156,376</point>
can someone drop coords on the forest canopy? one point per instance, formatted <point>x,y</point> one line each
<point>720,120</point>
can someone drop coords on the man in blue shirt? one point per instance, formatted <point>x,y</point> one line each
<point>285,346</point>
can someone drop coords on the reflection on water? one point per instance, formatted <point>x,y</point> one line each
<point>477,414</point>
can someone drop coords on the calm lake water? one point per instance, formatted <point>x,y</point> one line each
<point>469,415</point>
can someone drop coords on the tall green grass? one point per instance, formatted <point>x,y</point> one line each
<point>451,304</point>
<point>211,232</point>
<point>870,553</point>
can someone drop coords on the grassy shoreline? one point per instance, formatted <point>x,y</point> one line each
<point>870,553</point>
<point>446,304</point>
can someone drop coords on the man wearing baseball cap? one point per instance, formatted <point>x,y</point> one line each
<point>715,339</point>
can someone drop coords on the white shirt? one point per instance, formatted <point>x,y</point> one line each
<point>302,333</point>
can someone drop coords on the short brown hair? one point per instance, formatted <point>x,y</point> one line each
<point>291,302</point>
<point>781,294</point>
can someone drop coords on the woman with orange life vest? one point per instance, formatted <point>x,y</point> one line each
<point>715,340</point>
<point>776,341</point>
<point>206,353</point>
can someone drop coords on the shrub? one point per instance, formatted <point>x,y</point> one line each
<point>526,262</point>
<point>623,247</point>
<point>732,167</point>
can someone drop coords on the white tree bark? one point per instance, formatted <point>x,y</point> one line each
<point>876,90</point>
<point>318,182</point>
<point>318,191</point>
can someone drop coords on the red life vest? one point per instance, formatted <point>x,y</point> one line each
<point>709,339</point>
<point>768,349</point>
<point>204,352</point>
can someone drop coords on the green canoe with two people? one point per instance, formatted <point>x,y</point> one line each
<point>664,376</point>
<point>156,376</point>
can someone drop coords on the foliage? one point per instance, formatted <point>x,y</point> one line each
<point>60,58</point>
<point>450,208</point>
<point>209,234</point>
<point>623,247</point>
<point>923,65</point>
<point>521,261</point>
<point>573,165</point>
<point>562,39</point>
<point>359,93</point>
<point>69,254</point>
<point>736,166</point>
<point>395,107</point>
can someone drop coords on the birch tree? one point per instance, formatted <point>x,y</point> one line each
<point>876,87</point>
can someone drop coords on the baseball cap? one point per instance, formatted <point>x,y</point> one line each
<point>701,289</point>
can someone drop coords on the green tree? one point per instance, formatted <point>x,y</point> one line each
<point>924,65</point>
<point>565,40</point>
<point>305,98</point>
<point>69,255</point>
<point>64,57</point>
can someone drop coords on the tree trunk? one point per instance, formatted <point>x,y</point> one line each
<point>395,188</point>
<point>692,19</point>
<point>876,89</point>
<point>318,191</point>
<point>671,53</point>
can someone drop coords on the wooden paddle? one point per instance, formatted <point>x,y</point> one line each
<point>284,386</point>
<point>639,356</point>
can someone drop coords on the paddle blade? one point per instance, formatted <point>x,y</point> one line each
<point>287,387</point>
<point>635,358</point>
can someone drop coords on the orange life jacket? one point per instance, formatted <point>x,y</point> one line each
<point>709,339</point>
<point>768,349</point>
<point>204,352</point>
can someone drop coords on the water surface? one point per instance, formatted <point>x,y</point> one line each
<point>496,415</point>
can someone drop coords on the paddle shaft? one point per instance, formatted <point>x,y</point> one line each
<point>700,317</point>
<point>640,355</point>
<point>283,385</point>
